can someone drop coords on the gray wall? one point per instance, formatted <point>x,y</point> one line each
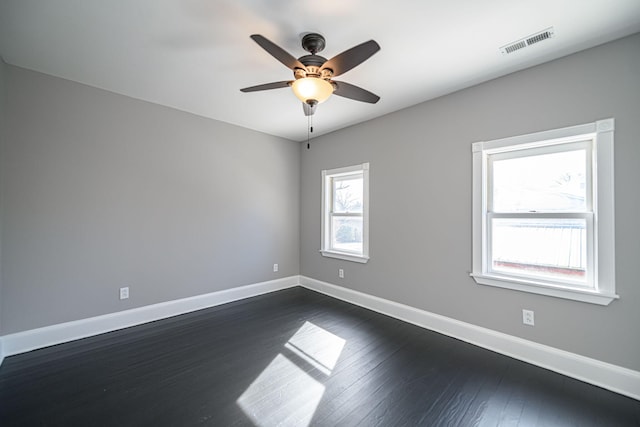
<point>420,199</point>
<point>2,138</point>
<point>99,191</point>
<point>103,191</point>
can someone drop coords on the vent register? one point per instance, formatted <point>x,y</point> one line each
<point>527,41</point>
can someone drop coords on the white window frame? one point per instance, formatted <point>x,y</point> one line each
<point>327,203</point>
<point>599,216</point>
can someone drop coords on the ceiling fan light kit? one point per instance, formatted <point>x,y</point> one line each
<point>313,74</point>
<point>310,89</point>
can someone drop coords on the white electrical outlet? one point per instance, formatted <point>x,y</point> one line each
<point>275,267</point>
<point>341,273</point>
<point>124,292</point>
<point>527,317</point>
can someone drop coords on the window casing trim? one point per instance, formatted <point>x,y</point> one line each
<point>327,190</point>
<point>540,288</point>
<point>602,240</point>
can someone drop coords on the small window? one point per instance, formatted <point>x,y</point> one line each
<point>543,213</point>
<point>345,216</point>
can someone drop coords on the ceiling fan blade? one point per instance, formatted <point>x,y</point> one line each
<point>277,52</point>
<point>350,91</point>
<point>309,110</point>
<point>350,58</point>
<point>267,86</point>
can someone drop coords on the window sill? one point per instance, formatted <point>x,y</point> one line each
<point>593,297</point>
<point>345,256</point>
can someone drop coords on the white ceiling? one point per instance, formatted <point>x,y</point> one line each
<point>195,55</point>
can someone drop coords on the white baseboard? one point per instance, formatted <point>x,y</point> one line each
<point>615,378</point>
<point>33,339</point>
<point>611,377</point>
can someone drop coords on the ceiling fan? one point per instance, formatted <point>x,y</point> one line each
<point>313,74</point>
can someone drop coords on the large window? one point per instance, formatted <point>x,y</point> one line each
<point>345,213</point>
<point>543,213</point>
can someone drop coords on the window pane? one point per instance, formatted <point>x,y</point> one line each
<point>346,234</point>
<point>347,194</point>
<point>540,247</point>
<point>554,182</point>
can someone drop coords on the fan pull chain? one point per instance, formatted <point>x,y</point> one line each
<point>309,129</point>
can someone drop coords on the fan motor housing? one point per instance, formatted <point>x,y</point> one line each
<point>312,60</point>
<point>313,71</point>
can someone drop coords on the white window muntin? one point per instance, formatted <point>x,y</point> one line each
<point>602,243</point>
<point>328,177</point>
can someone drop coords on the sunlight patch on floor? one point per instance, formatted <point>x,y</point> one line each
<point>317,346</point>
<point>288,391</point>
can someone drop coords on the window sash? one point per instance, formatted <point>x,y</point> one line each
<point>334,184</point>
<point>582,143</point>
<point>332,233</point>
<point>588,283</point>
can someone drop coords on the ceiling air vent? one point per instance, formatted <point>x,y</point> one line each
<point>527,41</point>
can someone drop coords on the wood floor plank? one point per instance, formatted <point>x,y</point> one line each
<point>291,358</point>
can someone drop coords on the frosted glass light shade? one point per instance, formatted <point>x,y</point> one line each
<point>308,88</point>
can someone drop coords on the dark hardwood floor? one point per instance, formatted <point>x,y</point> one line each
<point>295,358</point>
